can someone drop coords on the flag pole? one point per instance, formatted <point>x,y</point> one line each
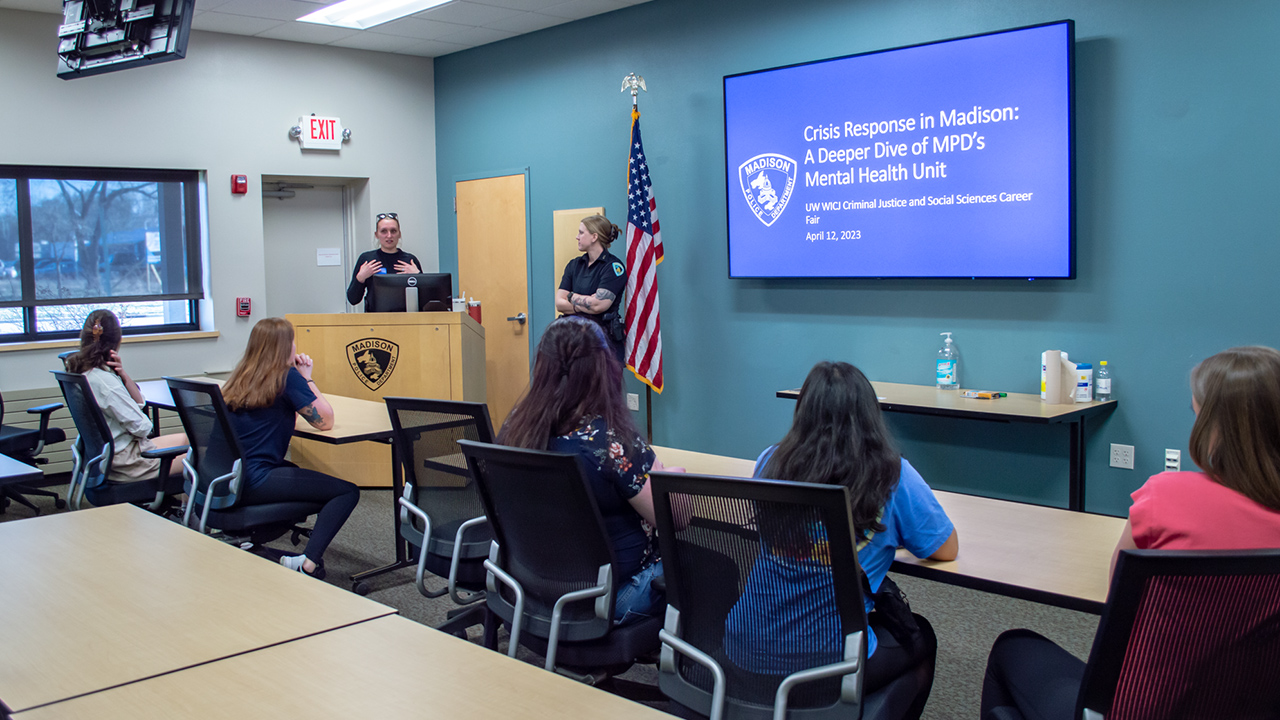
<point>635,83</point>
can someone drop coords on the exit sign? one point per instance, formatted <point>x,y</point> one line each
<point>321,133</point>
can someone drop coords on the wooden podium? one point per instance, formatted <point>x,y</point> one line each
<point>374,355</point>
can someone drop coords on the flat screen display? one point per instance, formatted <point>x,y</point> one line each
<point>950,159</point>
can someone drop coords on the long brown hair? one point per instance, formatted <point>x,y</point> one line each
<point>258,378</point>
<point>838,437</point>
<point>1236,436</point>
<point>575,375</point>
<point>99,337</point>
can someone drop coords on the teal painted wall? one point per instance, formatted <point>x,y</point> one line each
<point>1177,170</point>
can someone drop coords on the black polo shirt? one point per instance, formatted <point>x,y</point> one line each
<point>583,277</point>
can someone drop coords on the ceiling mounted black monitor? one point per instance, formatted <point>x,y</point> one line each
<point>952,159</point>
<point>99,36</point>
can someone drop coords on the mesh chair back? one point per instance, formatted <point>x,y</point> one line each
<point>215,447</point>
<point>94,437</point>
<point>1188,635</point>
<point>765,578</point>
<point>550,535</point>
<point>436,475</point>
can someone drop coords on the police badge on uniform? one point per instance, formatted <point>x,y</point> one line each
<point>373,360</point>
<point>767,181</point>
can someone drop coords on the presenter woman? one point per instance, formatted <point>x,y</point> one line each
<point>593,283</point>
<point>387,258</point>
<point>268,388</point>
<point>1232,504</point>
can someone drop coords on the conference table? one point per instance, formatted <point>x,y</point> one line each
<point>1013,408</point>
<point>355,420</point>
<point>1047,555</point>
<point>15,471</point>
<point>97,598</point>
<point>390,668</point>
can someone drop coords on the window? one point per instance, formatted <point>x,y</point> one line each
<point>76,239</point>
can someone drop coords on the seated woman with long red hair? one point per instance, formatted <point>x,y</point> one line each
<point>269,386</point>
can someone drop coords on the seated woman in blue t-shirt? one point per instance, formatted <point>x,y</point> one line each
<point>269,385</point>
<point>574,404</point>
<point>838,436</point>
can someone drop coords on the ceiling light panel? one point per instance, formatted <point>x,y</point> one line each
<point>364,14</point>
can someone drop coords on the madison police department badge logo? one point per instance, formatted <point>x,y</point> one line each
<point>618,269</point>
<point>767,181</point>
<point>373,360</point>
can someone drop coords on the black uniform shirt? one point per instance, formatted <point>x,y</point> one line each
<point>582,277</point>
<point>355,291</point>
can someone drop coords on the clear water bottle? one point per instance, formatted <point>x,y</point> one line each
<point>948,365</point>
<point>1102,383</point>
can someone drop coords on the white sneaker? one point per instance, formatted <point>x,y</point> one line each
<point>295,562</point>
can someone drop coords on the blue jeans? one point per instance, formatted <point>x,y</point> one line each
<point>638,598</point>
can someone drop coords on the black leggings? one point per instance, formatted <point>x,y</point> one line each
<point>1030,676</point>
<point>892,660</point>
<point>294,484</point>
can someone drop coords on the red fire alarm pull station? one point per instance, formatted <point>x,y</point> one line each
<point>242,307</point>
<point>239,186</point>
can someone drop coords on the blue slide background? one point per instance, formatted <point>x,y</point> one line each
<point>767,112</point>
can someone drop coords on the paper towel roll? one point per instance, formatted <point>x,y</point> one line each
<point>1050,376</point>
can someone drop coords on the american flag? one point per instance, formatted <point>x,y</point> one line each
<point>644,252</point>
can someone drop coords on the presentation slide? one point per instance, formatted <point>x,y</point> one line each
<point>951,159</point>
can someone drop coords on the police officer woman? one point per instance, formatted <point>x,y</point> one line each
<point>593,283</point>
<point>387,258</point>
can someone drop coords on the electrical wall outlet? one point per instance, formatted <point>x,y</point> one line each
<point>1122,456</point>
<point>1172,460</point>
<point>633,402</point>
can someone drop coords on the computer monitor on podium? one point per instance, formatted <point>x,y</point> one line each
<point>388,293</point>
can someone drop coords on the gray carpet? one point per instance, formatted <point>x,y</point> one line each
<point>966,621</point>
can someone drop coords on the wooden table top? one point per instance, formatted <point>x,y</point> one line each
<point>95,598</point>
<point>1050,555</point>
<point>1016,407</point>
<point>390,668</point>
<point>16,471</point>
<point>354,420</point>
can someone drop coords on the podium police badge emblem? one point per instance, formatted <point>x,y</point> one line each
<point>373,360</point>
<point>767,181</point>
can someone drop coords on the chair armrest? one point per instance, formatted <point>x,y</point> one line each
<point>165,453</point>
<point>44,411</point>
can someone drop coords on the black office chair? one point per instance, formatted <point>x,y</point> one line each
<point>212,473</point>
<point>1185,634</point>
<point>25,445</point>
<point>552,576</point>
<point>440,499</point>
<point>738,554</point>
<point>94,449</point>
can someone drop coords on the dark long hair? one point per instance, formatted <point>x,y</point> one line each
<point>99,337</point>
<point>1236,436</point>
<point>838,436</point>
<point>575,375</point>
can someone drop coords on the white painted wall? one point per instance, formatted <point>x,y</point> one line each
<point>225,109</point>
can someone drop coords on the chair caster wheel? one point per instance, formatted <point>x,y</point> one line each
<point>360,588</point>
<point>295,538</point>
<point>59,503</point>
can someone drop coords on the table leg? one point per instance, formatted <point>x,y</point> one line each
<point>1075,471</point>
<point>402,546</point>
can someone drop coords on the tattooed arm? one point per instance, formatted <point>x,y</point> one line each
<point>596,304</point>
<point>319,414</point>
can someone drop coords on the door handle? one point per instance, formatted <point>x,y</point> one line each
<point>520,318</point>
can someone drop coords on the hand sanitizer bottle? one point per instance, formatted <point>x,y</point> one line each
<point>948,365</point>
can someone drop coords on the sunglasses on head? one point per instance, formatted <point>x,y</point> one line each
<point>388,216</point>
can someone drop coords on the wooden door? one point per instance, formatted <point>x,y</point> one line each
<point>493,268</point>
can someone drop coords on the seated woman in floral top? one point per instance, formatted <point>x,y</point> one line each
<point>574,404</point>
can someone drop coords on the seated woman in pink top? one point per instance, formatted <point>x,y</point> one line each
<point>1232,504</point>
